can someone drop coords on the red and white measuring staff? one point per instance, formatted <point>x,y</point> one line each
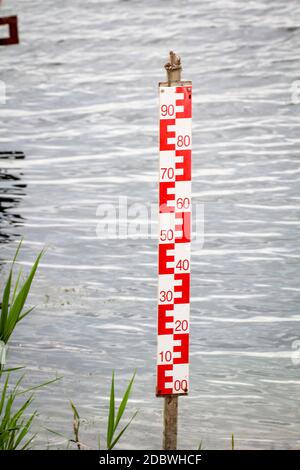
<point>174,240</point>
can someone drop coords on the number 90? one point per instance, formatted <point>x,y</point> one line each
<point>167,110</point>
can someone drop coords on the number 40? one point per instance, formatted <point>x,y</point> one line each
<point>183,265</point>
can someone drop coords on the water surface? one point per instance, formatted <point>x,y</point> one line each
<point>82,110</point>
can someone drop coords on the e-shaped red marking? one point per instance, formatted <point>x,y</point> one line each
<point>183,348</point>
<point>185,165</point>
<point>165,195</point>
<point>163,379</point>
<point>183,288</point>
<point>163,319</point>
<point>165,134</point>
<point>184,226</point>
<point>186,102</point>
<point>12,22</point>
<point>164,258</point>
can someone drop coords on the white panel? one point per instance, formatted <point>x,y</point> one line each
<point>167,99</point>
<point>165,349</point>
<point>182,253</point>
<point>166,223</point>
<point>167,166</point>
<point>184,129</point>
<point>180,378</point>
<point>166,289</point>
<point>183,196</point>
<point>181,316</point>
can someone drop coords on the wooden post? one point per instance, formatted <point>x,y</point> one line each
<point>170,422</point>
<point>170,389</point>
<point>173,68</point>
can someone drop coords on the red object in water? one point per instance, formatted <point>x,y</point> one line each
<point>13,38</point>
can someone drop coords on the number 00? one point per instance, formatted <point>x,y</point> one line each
<point>180,385</point>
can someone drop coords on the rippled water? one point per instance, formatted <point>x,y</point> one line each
<point>82,107</point>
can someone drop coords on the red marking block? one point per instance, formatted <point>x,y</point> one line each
<point>13,38</point>
<point>166,194</point>
<point>183,226</point>
<point>185,166</point>
<point>183,288</point>
<point>163,379</point>
<point>166,257</point>
<point>186,102</point>
<point>183,348</point>
<point>164,318</point>
<point>166,134</point>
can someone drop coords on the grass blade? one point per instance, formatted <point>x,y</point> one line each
<point>11,369</point>
<point>36,387</point>
<point>25,313</point>
<point>17,285</point>
<point>3,395</point>
<point>122,432</point>
<point>200,447</point>
<point>76,414</point>
<point>76,425</point>
<point>6,296</point>
<point>4,307</point>
<point>124,401</point>
<point>18,304</point>
<point>111,415</point>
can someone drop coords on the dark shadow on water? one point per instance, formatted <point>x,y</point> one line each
<point>11,191</point>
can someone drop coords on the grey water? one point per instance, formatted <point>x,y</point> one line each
<point>81,109</point>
